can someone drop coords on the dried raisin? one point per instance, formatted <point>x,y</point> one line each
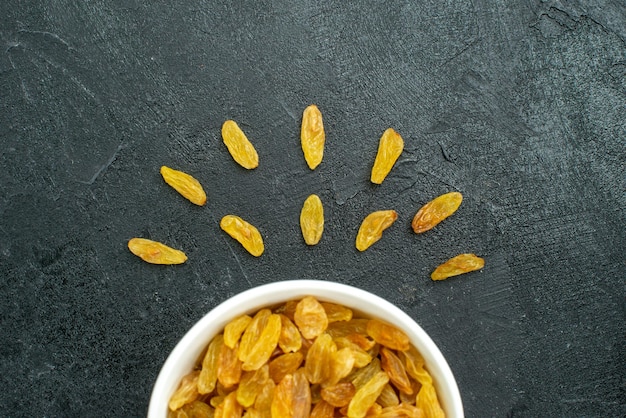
<point>389,149</point>
<point>395,370</point>
<point>319,359</point>
<point>228,366</point>
<point>310,317</point>
<point>290,339</point>
<point>312,220</point>
<point>187,391</point>
<point>312,136</point>
<point>462,263</point>
<point>262,349</point>
<point>435,211</point>
<point>336,312</point>
<point>234,329</point>
<point>186,185</point>
<point>387,335</point>
<point>323,409</point>
<point>372,228</point>
<point>283,365</point>
<point>366,396</point>
<point>240,148</point>
<point>339,395</point>
<point>251,384</point>
<point>154,252</point>
<point>247,235</point>
<point>208,374</point>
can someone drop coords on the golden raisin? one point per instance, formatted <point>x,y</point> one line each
<point>154,252</point>
<point>387,335</point>
<point>262,349</point>
<point>319,359</point>
<point>310,317</point>
<point>362,341</point>
<point>231,408</point>
<point>323,409</point>
<point>401,410</point>
<point>312,220</point>
<point>208,374</point>
<point>292,397</point>
<point>228,366</point>
<point>196,409</point>
<point>388,397</point>
<point>366,396</point>
<point>290,339</point>
<point>285,364</point>
<point>427,401</point>
<point>251,385</point>
<point>288,309</point>
<point>339,395</point>
<point>414,363</point>
<point>361,376</point>
<point>427,396</point>
<point>234,329</point>
<point>462,263</point>
<point>240,148</point>
<point>252,413</point>
<point>415,388</point>
<point>395,370</point>
<point>372,228</point>
<point>374,410</point>
<point>389,149</point>
<point>187,391</point>
<point>342,363</point>
<point>263,402</point>
<point>336,312</point>
<point>253,332</point>
<point>186,185</point>
<point>247,235</point>
<point>345,328</point>
<point>361,357</point>
<point>301,394</point>
<point>312,136</point>
<point>435,211</point>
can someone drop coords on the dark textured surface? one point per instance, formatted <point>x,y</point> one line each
<point>519,105</point>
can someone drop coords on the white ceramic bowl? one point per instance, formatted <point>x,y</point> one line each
<point>182,358</point>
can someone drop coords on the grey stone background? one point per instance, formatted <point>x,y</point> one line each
<point>519,105</point>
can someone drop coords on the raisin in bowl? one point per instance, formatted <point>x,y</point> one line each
<point>394,376</point>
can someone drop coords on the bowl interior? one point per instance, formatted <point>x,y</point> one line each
<point>184,356</point>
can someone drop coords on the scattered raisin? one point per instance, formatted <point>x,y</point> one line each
<point>389,149</point>
<point>154,252</point>
<point>186,185</point>
<point>312,136</point>
<point>372,228</point>
<point>435,211</point>
<point>247,235</point>
<point>240,148</point>
<point>462,263</point>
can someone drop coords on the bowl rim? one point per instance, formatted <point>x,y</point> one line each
<point>251,300</point>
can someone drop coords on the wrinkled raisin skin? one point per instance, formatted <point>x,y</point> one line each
<point>390,147</point>
<point>185,184</point>
<point>239,147</point>
<point>372,227</point>
<point>312,220</point>
<point>435,211</point>
<point>461,264</point>
<point>247,235</point>
<point>312,136</point>
<point>154,252</point>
